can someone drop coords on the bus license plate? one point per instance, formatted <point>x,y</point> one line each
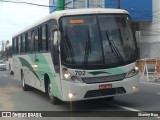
<point>106,86</point>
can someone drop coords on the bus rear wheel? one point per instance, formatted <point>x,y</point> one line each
<point>54,100</point>
<point>24,86</point>
<point>11,73</point>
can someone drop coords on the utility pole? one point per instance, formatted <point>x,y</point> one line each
<point>118,5</point>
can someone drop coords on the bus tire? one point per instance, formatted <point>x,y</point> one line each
<point>54,100</point>
<point>24,86</point>
<point>110,98</point>
<point>11,73</point>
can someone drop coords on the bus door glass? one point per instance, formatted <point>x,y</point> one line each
<point>54,45</point>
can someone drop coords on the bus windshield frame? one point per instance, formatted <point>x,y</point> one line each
<point>97,41</point>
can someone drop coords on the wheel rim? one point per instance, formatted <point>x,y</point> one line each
<point>49,91</point>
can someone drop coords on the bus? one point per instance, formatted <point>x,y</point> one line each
<point>78,54</point>
<point>8,58</point>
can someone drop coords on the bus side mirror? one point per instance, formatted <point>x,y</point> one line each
<point>55,38</point>
<point>54,28</point>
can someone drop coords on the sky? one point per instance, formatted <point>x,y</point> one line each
<point>15,16</point>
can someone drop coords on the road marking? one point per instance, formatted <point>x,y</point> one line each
<point>158,93</point>
<point>127,108</point>
<point>6,100</point>
<point>151,83</point>
<point>5,75</point>
<point>123,107</point>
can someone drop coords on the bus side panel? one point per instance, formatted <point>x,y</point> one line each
<point>34,67</point>
<point>30,72</point>
<point>16,67</point>
<point>54,77</point>
<point>43,65</point>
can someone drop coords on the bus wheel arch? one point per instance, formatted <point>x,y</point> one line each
<point>48,89</point>
<point>46,81</point>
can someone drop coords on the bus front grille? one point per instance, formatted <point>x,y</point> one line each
<point>111,78</point>
<point>105,92</point>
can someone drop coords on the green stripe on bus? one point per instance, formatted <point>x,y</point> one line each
<point>43,67</point>
<point>113,71</point>
<point>25,63</point>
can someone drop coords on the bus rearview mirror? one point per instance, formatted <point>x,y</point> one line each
<point>55,38</point>
<point>54,28</point>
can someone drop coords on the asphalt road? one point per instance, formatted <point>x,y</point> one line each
<point>13,98</point>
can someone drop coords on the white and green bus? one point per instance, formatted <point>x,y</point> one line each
<point>78,54</point>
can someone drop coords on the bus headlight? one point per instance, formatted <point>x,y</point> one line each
<point>34,66</point>
<point>132,72</point>
<point>67,75</point>
<point>70,95</point>
<point>136,68</point>
<point>70,77</point>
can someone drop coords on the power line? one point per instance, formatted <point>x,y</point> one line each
<point>39,5</point>
<point>19,2</point>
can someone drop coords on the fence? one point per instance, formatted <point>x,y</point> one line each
<point>149,68</point>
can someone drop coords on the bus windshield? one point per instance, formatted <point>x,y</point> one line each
<point>97,40</point>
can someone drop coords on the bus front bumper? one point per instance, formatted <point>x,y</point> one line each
<point>81,91</point>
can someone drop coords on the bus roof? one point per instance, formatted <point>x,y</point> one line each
<point>85,11</point>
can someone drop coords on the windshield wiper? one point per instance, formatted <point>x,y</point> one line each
<point>69,49</point>
<point>87,50</point>
<point>114,48</point>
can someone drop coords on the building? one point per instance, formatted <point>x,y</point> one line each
<point>74,4</point>
<point>144,13</point>
<point>150,33</point>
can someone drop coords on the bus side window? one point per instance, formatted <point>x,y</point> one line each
<point>23,43</point>
<point>44,38</point>
<point>51,23</point>
<point>40,38</point>
<point>36,40</point>
<point>14,45</point>
<point>19,44</point>
<point>26,44</point>
<point>32,41</point>
<point>29,42</point>
<point>49,36</point>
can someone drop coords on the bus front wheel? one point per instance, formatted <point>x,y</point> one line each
<point>54,100</point>
<point>110,98</point>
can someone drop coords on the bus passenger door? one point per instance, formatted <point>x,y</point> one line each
<point>55,53</point>
<point>56,60</point>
